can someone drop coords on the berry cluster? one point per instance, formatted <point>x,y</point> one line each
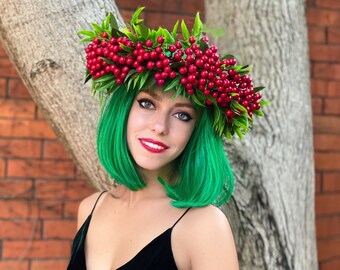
<point>199,70</point>
<point>138,57</point>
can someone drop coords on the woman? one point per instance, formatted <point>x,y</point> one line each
<point>161,140</point>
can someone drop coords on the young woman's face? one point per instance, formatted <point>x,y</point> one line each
<point>159,128</point>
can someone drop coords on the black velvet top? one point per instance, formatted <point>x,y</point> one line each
<point>155,255</point>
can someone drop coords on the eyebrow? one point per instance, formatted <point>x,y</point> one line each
<point>158,98</point>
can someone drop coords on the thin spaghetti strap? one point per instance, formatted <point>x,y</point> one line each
<point>186,211</point>
<point>97,201</point>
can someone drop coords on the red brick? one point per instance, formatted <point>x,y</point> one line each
<point>330,265</point>
<point>316,34</point>
<point>17,89</point>
<point>60,229</point>
<point>311,3</point>
<point>2,87</point>
<point>7,69</point>
<point>49,265</point>
<point>332,106</point>
<point>328,249</point>
<point>327,204</point>
<point>50,209</point>
<point>71,209</point>
<point>328,227</point>
<point>40,168</point>
<point>2,51</point>
<point>78,190</point>
<point>12,189</point>
<point>18,209</point>
<point>326,71</point>
<point>25,129</point>
<point>14,265</point>
<point>55,150</point>
<point>328,3</point>
<point>334,36</point>
<point>318,183</point>
<point>20,148</point>
<point>325,88</point>
<point>326,124</point>
<point>326,142</point>
<point>2,168</point>
<point>323,17</point>
<point>331,182</point>
<point>192,7</point>
<point>36,249</point>
<point>327,161</point>
<point>330,53</point>
<point>50,189</point>
<point>20,229</point>
<point>12,108</point>
<point>317,105</point>
<point>39,114</point>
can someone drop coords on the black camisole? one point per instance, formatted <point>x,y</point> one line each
<point>157,255</point>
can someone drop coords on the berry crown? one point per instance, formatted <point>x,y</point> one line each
<point>138,57</point>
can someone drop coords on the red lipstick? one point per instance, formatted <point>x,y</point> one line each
<point>153,146</point>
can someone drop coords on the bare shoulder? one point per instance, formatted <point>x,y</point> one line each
<point>208,240</point>
<point>85,207</point>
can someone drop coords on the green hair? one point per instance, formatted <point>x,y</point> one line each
<point>204,174</point>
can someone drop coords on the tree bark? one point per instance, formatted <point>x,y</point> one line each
<point>41,39</point>
<point>272,213</point>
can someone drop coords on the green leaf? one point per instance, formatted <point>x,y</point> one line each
<point>143,31</point>
<point>265,103</point>
<point>177,65</point>
<point>174,30</point>
<point>88,77</point>
<point>171,85</point>
<point>258,113</point>
<point>106,86</point>
<point>131,73</point>
<point>113,21</point>
<point>203,45</point>
<point>104,78</point>
<point>144,77</point>
<point>88,39</point>
<point>239,123</point>
<point>198,26</point>
<point>150,82</point>
<point>97,28</point>
<point>239,133</point>
<point>129,35</point>
<point>88,33</point>
<point>185,30</point>
<point>135,16</point>
<point>227,56</point>
<point>106,60</point>
<point>234,104</point>
<point>259,88</point>
<point>168,37</point>
<point>126,48</point>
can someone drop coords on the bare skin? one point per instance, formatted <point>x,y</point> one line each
<point>125,221</point>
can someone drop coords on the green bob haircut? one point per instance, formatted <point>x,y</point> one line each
<point>203,173</point>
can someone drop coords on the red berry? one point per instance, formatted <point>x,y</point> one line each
<point>188,51</point>
<point>208,102</point>
<point>184,80</point>
<point>153,55</point>
<point>214,94</point>
<point>150,65</point>
<point>205,39</point>
<point>119,81</point>
<point>194,47</point>
<point>206,92</point>
<point>157,76</point>
<point>191,78</point>
<point>192,39</point>
<point>159,64</point>
<point>199,63</point>
<point>96,40</point>
<point>148,43</point>
<point>164,75</point>
<point>202,81</point>
<point>188,86</point>
<point>178,45</point>
<point>190,58</point>
<point>204,73</point>
<point>172,48</point>
<point>167,69</point>
<point>172,74</point>
<point>192,69</point>
<point>230,113</point>
<point>190,91</point>
<point>160,82</point>
<point>159,49</point>
<point>166,62</point>
<point>182,70</point>
<point>160,40</point>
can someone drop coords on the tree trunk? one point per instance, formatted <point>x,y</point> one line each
<point>272,213</point>
<point>40,38</point>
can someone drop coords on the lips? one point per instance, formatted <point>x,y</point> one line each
<point>153,146</point>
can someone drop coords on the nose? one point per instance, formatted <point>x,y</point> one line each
<point>160,124</point>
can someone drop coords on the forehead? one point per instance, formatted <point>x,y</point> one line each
<point>159,94</point>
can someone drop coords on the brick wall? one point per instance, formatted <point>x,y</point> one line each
<point>40,187</point>
<point>323,17</point>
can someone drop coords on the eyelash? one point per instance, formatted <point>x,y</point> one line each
<point>144,100</point>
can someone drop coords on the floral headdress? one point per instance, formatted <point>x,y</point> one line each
<point>138,57</point>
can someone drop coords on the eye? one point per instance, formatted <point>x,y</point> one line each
<point>183,116</point>
<point>146,104</point>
